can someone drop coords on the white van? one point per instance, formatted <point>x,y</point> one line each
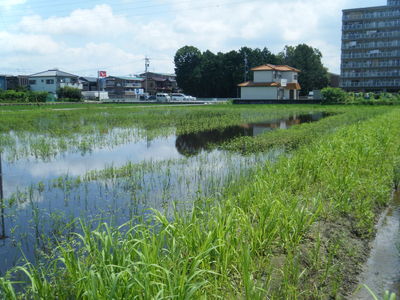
<point>162,97</point>
<point>179,97</point>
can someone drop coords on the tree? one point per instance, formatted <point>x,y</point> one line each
<point>69,94</point>
<point>314,75</point>
<point>217,75</point>
<point>210,75</point>
<point>188,69</point>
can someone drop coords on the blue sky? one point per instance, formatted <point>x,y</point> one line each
<point>82,37</point>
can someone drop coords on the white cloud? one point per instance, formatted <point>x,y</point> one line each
<point>95,22</point>
<point>27,43</point>
<point>10,3</point>
<point>88,38</point>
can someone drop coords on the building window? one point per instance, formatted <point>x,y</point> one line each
<point>295,77</point>
<point>32,82</point>
<point>49,81</point>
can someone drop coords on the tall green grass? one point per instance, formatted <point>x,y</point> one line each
<point>303,133</point>
<point>294,231</point>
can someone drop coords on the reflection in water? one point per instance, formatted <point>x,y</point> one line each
<point>42,198</point>
<point>193,143</point>
<point>381,272</point>
<point>41,213</point>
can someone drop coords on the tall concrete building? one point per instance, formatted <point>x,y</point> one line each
<point>371,48</point>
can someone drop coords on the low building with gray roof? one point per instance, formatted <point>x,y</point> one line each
<point>52,80</point>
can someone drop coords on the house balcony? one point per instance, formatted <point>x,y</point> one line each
<point>73,85</point>
<point>133,85</point>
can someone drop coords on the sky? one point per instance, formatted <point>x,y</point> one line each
<point>82,37</point>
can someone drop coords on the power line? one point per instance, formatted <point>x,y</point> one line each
<point>116,6</point>
<point>129,8</point>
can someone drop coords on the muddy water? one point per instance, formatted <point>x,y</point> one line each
<point>382,271</point>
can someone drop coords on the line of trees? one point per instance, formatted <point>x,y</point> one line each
<point>206,74</point>
<point>11,96</point>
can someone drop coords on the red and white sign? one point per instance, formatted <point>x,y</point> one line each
<point>102,74</point>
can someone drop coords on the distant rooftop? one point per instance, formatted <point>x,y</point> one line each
<point>372,8</point>
<point>127,78</point>
<point>89,79</point>
<point>269,67</point>
<point>53,73</point>
<point>162,74</point>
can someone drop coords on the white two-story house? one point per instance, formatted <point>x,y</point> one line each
<point>50,81</point>
<point>272,83</point>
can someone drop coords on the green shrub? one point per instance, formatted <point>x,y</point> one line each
<point>12,96</point>
<point>69,94</point>
<point>37,96</point>
<point>334,95</point>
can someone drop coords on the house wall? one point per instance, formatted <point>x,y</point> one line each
<point>286,94</point>
<point>42,86</point>
<point>259,93</point>
<point>263,76</point>
<point>289,76</point>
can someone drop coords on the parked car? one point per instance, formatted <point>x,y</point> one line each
<point>163,97</point>
<point>179,97</point>
<point>151,98</point>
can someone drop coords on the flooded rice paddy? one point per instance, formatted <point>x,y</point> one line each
<point>382,270</point>
<point>121,176</point>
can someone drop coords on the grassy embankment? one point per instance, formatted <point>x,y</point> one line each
<point>297,230</point>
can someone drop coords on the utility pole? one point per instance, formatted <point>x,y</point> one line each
<point>146,68</point>
<point>3,227</point>
<point>245,67</point>
<point>98,85</point>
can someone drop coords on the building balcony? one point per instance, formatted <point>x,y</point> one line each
<point>372,45</point>
<point>378,35</point>
<point>133,85</point>
<point>370,55</point>
<point>371,84</point>
<point>73,85</point>
<point>369,74</point>
<point>394,13</point>
<point>372,25</point>
<point>359,65</point>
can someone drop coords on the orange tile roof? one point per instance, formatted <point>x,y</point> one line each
<point>289,86</point>
<point>269,67</point>
<point>259,84</point>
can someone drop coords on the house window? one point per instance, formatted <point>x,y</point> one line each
<point>32,81</point>
<point>295,77</point>
<point>49,81</point>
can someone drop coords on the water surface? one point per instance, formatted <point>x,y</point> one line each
<point>44,195</point>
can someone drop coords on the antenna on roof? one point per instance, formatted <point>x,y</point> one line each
<point>245,67</point>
